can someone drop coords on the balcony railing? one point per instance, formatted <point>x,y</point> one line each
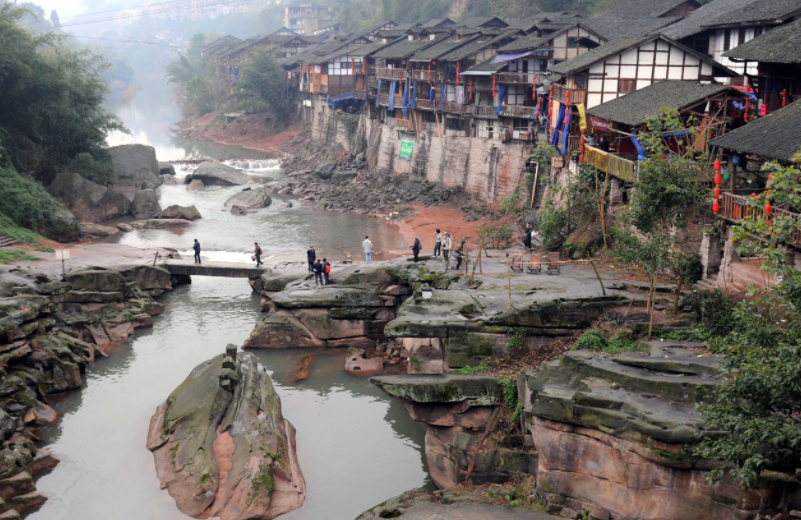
<point>425,75</point>
<point>361,94</point>
<point>336,90</point>
<point>522,135</point>
<point>383,100</point>
<point>517,111</point>
<point>526,78</point>
<point>390,74</point>
<point>424,104</point>
<point>405,124</point>
<point>485,112</point>
<point>737,207</point>
<point>452,107</point>
<point>614,165</point>
<point>560,93</point>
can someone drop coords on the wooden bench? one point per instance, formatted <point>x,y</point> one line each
<point>553,263</point>
<point>517,263</point>
<point>535,265</point>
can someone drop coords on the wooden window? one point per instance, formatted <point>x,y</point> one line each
<point>625,86</point>
<point>741,37</point>
<point>572,42</point>
<point>726,39</point>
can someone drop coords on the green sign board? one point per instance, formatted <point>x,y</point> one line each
<point>406,148</point>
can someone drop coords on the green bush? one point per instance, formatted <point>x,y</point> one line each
<point>596,341</point>
<point>551,224</point>
<point>478,369</point>
<point>24,201</point>
<point>713,309</point>
<point>99,170</point>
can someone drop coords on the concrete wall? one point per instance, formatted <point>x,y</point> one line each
<point>487,169</point>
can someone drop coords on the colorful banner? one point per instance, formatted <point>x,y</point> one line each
<point>582,116</point>
<point>406,149</point>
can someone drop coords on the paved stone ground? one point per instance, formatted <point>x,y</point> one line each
<point>466,511</point>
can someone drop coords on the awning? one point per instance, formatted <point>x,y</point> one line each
<point>501,58</point>
<point>335,101</point>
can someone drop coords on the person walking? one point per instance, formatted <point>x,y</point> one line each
<point>437,244</point>
<point>326,271</point>
<point>416,249</point>
<point>367,246</point>
<point>311,256</point>
<point>446,247</point>
<point>196,247</point>
<point>458,254</point>
<point>318,273</point>
<point>257,255</point>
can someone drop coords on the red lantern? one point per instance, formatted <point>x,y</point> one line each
<point>364,66</point>
<point>745,112</point>
<point>429,72</point>
<point>717,179</point>
<point>716,192</point>
<point>717,165</point>
<point>768,209</point>
<point>534,89</point>
<point>784,98</point>
<point>457,74</point>
<point>567,97</point>
<point>763,110</point>
<point>715,207</point>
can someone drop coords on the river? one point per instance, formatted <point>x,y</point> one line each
<point>356,446</point>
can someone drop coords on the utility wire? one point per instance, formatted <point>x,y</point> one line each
<point>125,41</point>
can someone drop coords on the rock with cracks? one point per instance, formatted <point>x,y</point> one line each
<point>221,445</point>
<point>218,174</point>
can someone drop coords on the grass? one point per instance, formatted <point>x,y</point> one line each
<point>595,340</point>
<point>22,235</point>
<point>9,257</point>
<point>478,369</point>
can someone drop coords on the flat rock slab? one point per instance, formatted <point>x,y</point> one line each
<point>447,388</point>
<point>465,511</point>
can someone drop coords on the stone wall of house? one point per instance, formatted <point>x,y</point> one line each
<point>485,168</point>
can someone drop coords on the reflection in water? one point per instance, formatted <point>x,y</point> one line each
<point>356,446</point>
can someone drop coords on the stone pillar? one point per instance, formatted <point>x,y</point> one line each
<point>615,192</point>
<point>725,273</point>
<point>711,253</point>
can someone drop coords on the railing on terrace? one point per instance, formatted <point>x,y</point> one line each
<point>737,207</point>
<point>522,135</point>
<point>425,75</point>
<point>576,95</point>
<point>452,107</point>
<point>424,104</point>
<point>485,112</point>
<point>615,166</point>
<point>398,101</point>
<point>390,74</point>
<point>405,124</point>
<point>383,100</point>
<point>517,111</point>
<point>516,77</point>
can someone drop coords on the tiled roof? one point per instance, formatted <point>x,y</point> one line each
<point>366,50</point>
<point>763,11</point>
<point>611,28</point>
<point>487,66</point>
<point>525,44</point>
<point>391,33</point>
<point>645,8</point>
<point>634,108</point>
<point>775,136</point>
<point>475,46</point>
<point>404,48</point>
<point>438,21</point>
<point>224,41</point>
<point>439,49</point>
<point>694,22</point>
<point>780,45</point>
<point>479,21</point>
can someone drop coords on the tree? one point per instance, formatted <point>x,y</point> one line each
<point>262,87</point>
<point>667,190</point>
<point>55,20</point>
<point>758,401</point>
<point>52,108</point>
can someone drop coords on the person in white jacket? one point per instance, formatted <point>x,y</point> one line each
<point>447,244</point>
<point>367,246</point>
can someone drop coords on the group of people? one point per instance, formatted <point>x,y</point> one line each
<point>321,269</point>
<point>257,253</point>
<point>443,247</point>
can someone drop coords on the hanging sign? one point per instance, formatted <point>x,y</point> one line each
<point>601,125</point>
<point>406,149</point>
<point>582,116</point>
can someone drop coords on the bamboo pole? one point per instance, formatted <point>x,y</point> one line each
<point>534,188</point>
<point>439,133</point>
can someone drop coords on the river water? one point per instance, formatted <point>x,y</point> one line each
<point>356,446</point>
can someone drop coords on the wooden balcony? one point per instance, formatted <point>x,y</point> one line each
<point>737,207</point>
<point>560,93</point>
<point>526,78</point>
<point>614,165</point>
<point>383,100</point>
<point>485,112</point>
<point>522,135</point>
<point>518,111</point>
<point>425,75</point>
<point>336,90</point>
<point>425,104</point>
<point>405,124</point>
<point>390,74</point>
<point>360,94</point>
<point>452,107</point>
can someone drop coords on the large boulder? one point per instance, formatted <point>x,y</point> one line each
<point>250,199</point>
<point>145,204</point>
<point>179,212</point>
<point>88,201</point>
<point>159,223</point>
<point>221,445</point>
<point>60,225</point>
<point>166,168</point>
<point>195,185</point>
<point>218,174</point>
<point>168,180</point>
<point>325,169</point>
<point>135,164</point>
<point>89,230</point>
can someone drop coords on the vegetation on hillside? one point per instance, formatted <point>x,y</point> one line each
<point>52,108</point>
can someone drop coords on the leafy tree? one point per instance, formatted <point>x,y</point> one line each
<point>262,87</point>
<point>55,20</point>
<point>667,190</point>
<point>52,107</point>
<point>758,401</point>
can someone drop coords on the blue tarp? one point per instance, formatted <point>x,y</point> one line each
<point>442,98</point>
<point>392,87</point>
<point>431,92</point>
<point>414,95</point>
<point>405,99</point>
<point>555,137</point>
<point>334,102</point>
<point>566,134</point>
<point>500,100</point>
<point>378,93</point>
<point>641,155</point>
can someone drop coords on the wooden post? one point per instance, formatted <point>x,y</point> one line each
<point>534,187</point>
<point>509,282</point>
<point>439,133</point>
<point>156,258</point>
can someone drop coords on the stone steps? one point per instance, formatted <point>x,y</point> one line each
<point>7,241</point>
